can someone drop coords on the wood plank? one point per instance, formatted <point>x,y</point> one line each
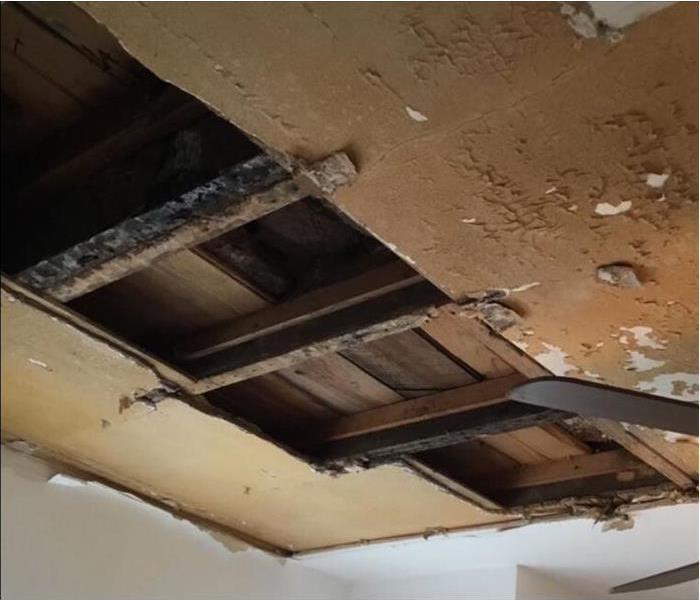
<point>409,364</point>
<point>566,469</point>
<point>340,384</point>
<point>468,397</point>
<point>323,301</point>
<point>247,192</point>
<point>617,432</point>
<point>419,436</point>
<point>526,365</point>
<point>370,320</point>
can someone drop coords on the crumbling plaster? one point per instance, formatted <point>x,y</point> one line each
<point>486,135</point>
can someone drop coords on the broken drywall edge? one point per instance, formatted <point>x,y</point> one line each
<point>607,19</point>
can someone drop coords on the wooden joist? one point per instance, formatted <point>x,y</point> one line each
<point>246,192</point>
<point>299,341</point>
<point>447,430</point>
<point>324,301</point>
<point>465,398</point>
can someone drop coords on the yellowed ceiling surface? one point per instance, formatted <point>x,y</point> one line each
<point>492,143</point>
<point>64,389</point>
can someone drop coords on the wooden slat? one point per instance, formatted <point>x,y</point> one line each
<point>566,469</point>
<point>247,192</point>
<point>410,365</point>
<point>438,432</point>
<point>617,432</point>
<point>526,365</point>
<point>468,397</point>
<point>370,320</point>
<point>324,301</point>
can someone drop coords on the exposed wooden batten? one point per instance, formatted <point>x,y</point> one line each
<point>372,319</point>
<point>247,192</point>
<point>344,294</point>
<point>468,397</point>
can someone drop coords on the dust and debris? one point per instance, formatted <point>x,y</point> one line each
<point>433,531</point>
<point>572,208</point>
<point>104,423</point>
<point>39,363</point>
<point>416,115</point>
<point>498,316</point>
<point>150,399</point>
<point>580,21</point>
<point>554,359</point>
<point>606,209</point>
<point>592,375</point>
<point>656,180</point>
<point>551,190</point>
<point>618,523</point>
<point>330,173</point>
<point>619,275</point>
<point>523,288</point>
<point>468,221</point>
<point>681,386</point>
<point>636,361</point>
<point>644,337</point>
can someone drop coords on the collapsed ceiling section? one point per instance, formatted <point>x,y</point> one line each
<point>261,317</point>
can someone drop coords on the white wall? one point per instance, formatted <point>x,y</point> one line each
<point>478,584</point>
<point>96,544</point>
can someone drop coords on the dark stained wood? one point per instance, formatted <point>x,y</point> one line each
<point>369,320</point>
<point>389,444</point>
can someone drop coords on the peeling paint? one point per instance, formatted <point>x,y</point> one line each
<point>636,361</point>
<point>555,360</point>
<point>655,180</point>
<point>416,115</point>
<point>681,386</point>
<point>607,210</point>
<point>644,337</point>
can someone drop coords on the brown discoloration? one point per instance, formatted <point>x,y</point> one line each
<point>493,83</point>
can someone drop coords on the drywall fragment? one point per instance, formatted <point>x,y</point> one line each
<point>469,221</point>
<point>39,363</point>
<point>656,180</point>
<point>618,523</point>
<point>498,316</point>
<point>523,288</point>
<point>416,115</point>
<point>681,386</point>
<point>636,361</point>
<point>619,275</point>
<point>331,173</point>
<point>581,21</point>
<point>606,209</point>
<point>554,359</point>
<point>622,14</point>
<point>644,337</point>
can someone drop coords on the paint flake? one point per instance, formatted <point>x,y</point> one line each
<point>644,337</point>
<point>416,115</point>
<point>681,386</point>
<point>657,180</point>
<point>554,359</point>
<point>636,361</point>
<point>607,210</point>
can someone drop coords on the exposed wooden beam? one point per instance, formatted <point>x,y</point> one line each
<point>566,469</point>
<point>317,303</point>
<point>466,398</point>
<point>526,365</point>
<point>360,323</point>
<point>438,432</point>
<point>246,192</point>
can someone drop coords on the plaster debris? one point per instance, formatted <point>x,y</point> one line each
<point>572,208</point>
<point>681,386</point>
<point>636,361</point>
<point>469,221</point>
<point>416,115</point>
<point>592,375</point>
<point>656,180</point>
<point>551,190</point>
<point>554,359</point>
<point>618,523</point>
<point>581,22</point>
<point>499,317</point>
<point>644,337</point>
<point>522,288</point>
<point>607,210</point>
<point>39,363</point>
<point>622,276</point>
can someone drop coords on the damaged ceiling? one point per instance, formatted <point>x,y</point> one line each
<point>293,302</point>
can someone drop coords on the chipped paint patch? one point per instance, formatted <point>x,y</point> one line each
<point>636,361</point>
<point>656,180</point>
<point>554,359</point>
<point>607,210</point>
<point>416,115</point>
<point>681,386</point>
<point>644,337</point>
<point>39,363</point>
